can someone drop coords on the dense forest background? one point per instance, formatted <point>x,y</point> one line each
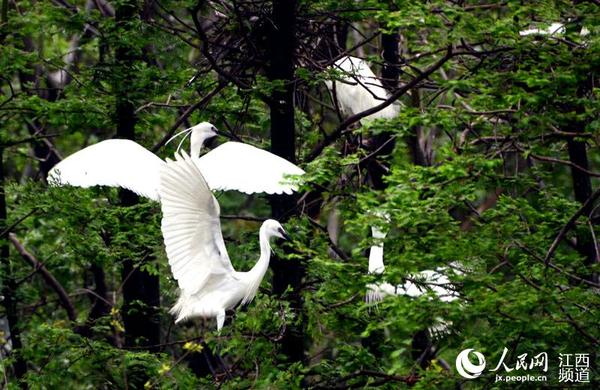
<point>489,171</point>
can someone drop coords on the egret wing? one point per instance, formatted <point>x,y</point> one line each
<point>190,225</point>
<point>245,168</point>
<point>115,163</point>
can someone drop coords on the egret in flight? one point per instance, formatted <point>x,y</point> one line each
<point>127,164</point>
<point>194,244</point>
<point>358,89</point>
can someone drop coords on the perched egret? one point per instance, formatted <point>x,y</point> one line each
<point>194,243</point>
<point>359,89</point>
<point>124,163</point>
<point>554,29</point>
<point>419,284</point>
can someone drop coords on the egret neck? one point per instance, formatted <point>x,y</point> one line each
<point>200,133</point>
<point>197,141</point>
<point>255,275</point>
<point>376,254</point>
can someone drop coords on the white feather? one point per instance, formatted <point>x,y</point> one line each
<point>114,163</point>
<point>124,163</point>
<point>359,89</point>
<point>191,227</point>
<point>245,168</point>
<point>553,29</point>
<point>376,253</point>
<point>417,285</point>
<point>584,31</point>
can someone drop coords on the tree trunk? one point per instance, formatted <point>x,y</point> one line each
<point>281,67</point>
<point>582,183</point>
<point>582,188</point>
<point>390,76</point>
<point>43,150</point>
<point>384,145</point>
<point>140,289</point>
<point>9,286</point>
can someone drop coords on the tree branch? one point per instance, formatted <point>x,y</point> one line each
<point>570,224</point>
<point>393,97</point>
<point>63,297</point>
<point>185,115</point>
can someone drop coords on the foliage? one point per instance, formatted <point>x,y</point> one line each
<point>500,120</point>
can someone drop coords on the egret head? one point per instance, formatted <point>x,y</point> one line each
<point>272,228</point>
<point>199,134</point>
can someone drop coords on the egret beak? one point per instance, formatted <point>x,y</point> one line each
<point>210,142</point>
<point>284,235</point>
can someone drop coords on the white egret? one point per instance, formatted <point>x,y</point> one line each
<point>124,163</point>
<point>554,29</point>
<point>359,89</point>
<point>417,285</point>
<point>194,244</point>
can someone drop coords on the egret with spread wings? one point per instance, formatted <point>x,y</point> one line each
<point>194,243</point>
<point>127,164</point>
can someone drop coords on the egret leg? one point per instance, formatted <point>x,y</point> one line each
<point>220,319</point>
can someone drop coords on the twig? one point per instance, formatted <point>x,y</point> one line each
<point>565,162</point>
<point>393,97</point>
<point>556,160</point>
<point>63,297</point>
<point>373,153</point>
<point>332,245</point>
<point>408,379</point>
<point>185,115</point>
<point>578,328</point>
<point>18,221</point>
<point>342,303</point>
<point>29,139</point>
<point>557,268</point>
<point>561,234</point>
